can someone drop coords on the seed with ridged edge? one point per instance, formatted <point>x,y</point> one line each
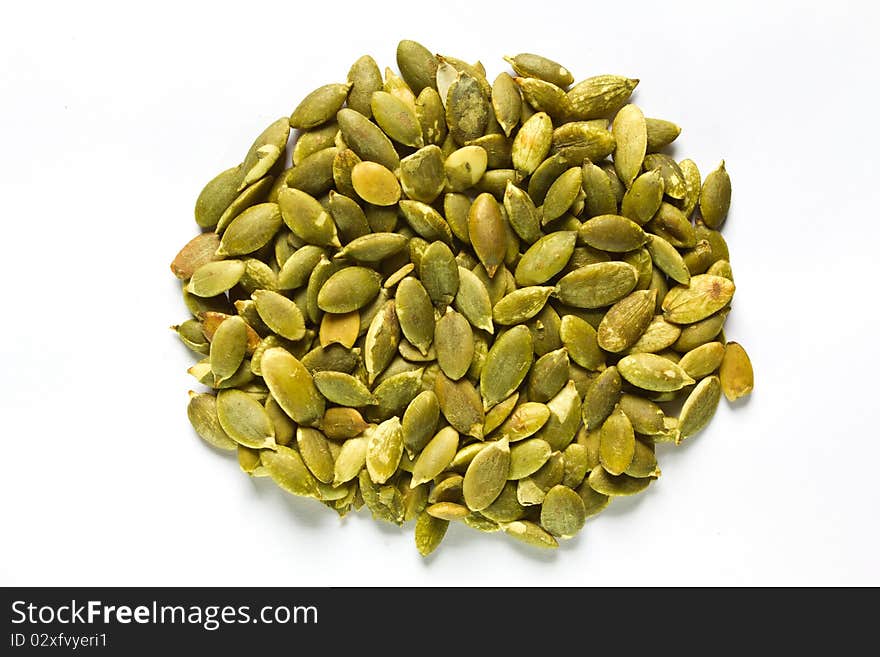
<point>507,363</point>
<point>532,143</point>
<point>631,139</point>
<point>597,285</point>
<point>384,449</point>
<point>454,342</point>
<point>292,386</point>
<point>626,321</point>
<point>705,296</point>
<point>563,512</point>
<point>521,305</point>
<point>737,377</point>
<point>436,456</point>
<point>245,420</point>
<point>699,407</point>
<point>460,404</point>
<point>202,413</point>
<point>616,443</point>
<point>601,397</point>
<point>215,278</point>
<point>715,197</point>
<point>349,289</point>
<point>486,475</point>
<point>653,372</point>
<point>487,233</point>
<point>228,347</point>
<point>613,233</point>
<point>530,533</point>
<point>280,314</point>
<point>307,218</point>
<point>319,106</point>
<point>343,389</point>
<point>287,469</point>
<point>375,184</point>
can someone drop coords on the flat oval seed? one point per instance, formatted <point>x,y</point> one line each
<point>352,457</point>
<point>381,341</point>
<point>507,364</point>
<point>525,420</point>
<point>576,461</point>
<point>315,453</point>
<point>581,342</point>
<point>506,102</point>
<point>366,139</point>
<point>429,532</point>
<point>543,96</point>
<point>653,372</point>
<point>530,534</point>
<point>420,421</point>
<point>472,300</point>
<point>384,450</point>
<point>705,296</point>
<point>375,184</point>
<point>617,443</point>
<point>703,360</point>
<point>643,198</point>
<point>660,133</point>
<point>668,259</point>
<point>673,179</point>
<point>532,143</point>
<point>198,251</point>
<point>292,386</point>
<point>737,376</point>
<point>487,233</point>
<point>373,247</point>
<point>522,214</point>
<point>616,486</point>
<point>415,313</point>
<point>216,197</point>
<point>467,109</point>
<point>693,183</point>
<point>599,96</point>
<point>307,218</point>
<point>436,456</point>
<point>422,174</point>
<point>319,106</point>
<point>454,342</point>
<point>565,417</point>
<point>597,285</point>
<point>438,272</point>
<point>521,305</point>
<point>447,511</point>
<point>426,221</point>
<point>349,289</point>
<point>298,267</point>
<point>563,512</point>
<point>699,407</point>
<point>626,321</point>
<point>602,395</point>
<point>715,197</point>
<point>486,475</point>
<point>202,413</point>
<point>465,166</point>
<point>280,314</point>
<point>343,389</point>
<point>671,224</point>
<point>287,469</point>
<point>461,405</point>
<point>611,232</point>
<point>631,138</point>
<point>545,258</point>
<point>527,457</point>
<point>535,66</point>
<point>215,278</point>
<point>397,118</point>
<point>228,348</point>
<point>561,195</point>
<point>245,420</point>
<point>417,65</point>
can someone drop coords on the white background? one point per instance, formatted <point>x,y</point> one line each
<point>115,115</point>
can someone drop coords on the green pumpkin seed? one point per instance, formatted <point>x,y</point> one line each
<point>699,407</point>
<point>228,348</point>
<point>576,464</point>
<point>307,218</point>
<point>616,443</point>
<point>486,232</point>
<point>467,109</point>
<point>527,457</point>
<point>429,533</point>
<point>543,97</point>
<point>343,389</point>
<point>506,102</point>
<point>599,96</point>
<point>581,342</point>
<point>349,289</point>
<point>631,138</point>
<point>460,404</point>
<point>384,449</point>
<point>659,335</point>
<point>394,393</point>
<point>561,194</point>
<point>522,214</point>
<point>214,278</point>
<point>715,197</point>
<point>626,321</point>
<point>521,305</point>
<point>216,197</point>
<point>315,452</point>
<point>704,296</point>
<point>597,285</point>
<point>245,420</point>
<point>422,174</point>
<point>693,184</point>
<point>436,456</point>
<point>616,486</point>
<point>287,469</point>
<point>532,143</point>
<point>319,106</point>
<point>202,413</point>
<point>397,118</point>
<point>653,372</point>
<point>454,341</point>
<point>703,360</point>
<point>486,475</point>
<point>611,232</point>
<point>548,375</point>
<point>365,78</point>
<point>341,423</point>
<point>660,133</point>
<point>465,166</point>
<point>292,386</point>
<point>280,314</point>
<point>563,512</point>
<point>507,364</point>
<point>736,374</point>
<point>601,398</point>
<point>366,139</point>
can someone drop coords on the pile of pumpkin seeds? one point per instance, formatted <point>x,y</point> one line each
<point>455,300</point>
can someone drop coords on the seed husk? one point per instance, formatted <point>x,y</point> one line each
<point>486,475</point>
<point>736,374</point>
